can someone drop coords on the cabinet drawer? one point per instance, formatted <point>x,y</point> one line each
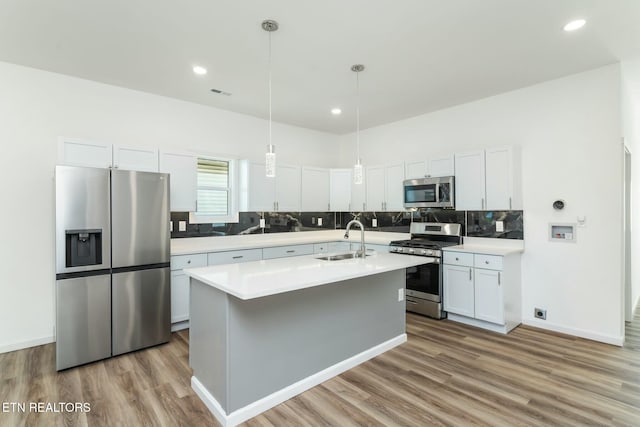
<point>458,258</point>
<point>489,262</point>
<point>178,262</point>
<point>232,257</point>
<point>287,251</point>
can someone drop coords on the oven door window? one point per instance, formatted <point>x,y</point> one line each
<point>420,193</point>
<point>424,278</point>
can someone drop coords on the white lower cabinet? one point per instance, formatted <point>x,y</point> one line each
<point>482,290</point>
<point>180,284</point>
<point>458,293</point>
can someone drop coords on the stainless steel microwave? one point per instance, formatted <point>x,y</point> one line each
<point>436,192</point>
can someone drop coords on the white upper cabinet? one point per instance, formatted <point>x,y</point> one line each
<point>443,165</point>
<point>503,178</point>
<point>415,169</point>
<point>375,187</point>
<point>384,187</point>
<point>470,181</point>
<point>315,192</point>
<point>339,189</point>
<point>261,193</point>
<point>132,158</point>
<point>288,188</point>
<point>76,152</point>
<point>183,171</point>
<point>394,191</point>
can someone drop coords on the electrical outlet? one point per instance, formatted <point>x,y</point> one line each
<point>262,223</point>
<point>319,222</point>
<point>374,222</point>
<point>171,226</point>
<point>540,313</point>
<point>182,226</point>
<point>499,226</point>
<point>400,294</point>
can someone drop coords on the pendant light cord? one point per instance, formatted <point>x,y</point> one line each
<point>358,116</point>
<point>270,144</point>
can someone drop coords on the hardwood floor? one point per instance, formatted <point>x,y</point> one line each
<point>446,374</point>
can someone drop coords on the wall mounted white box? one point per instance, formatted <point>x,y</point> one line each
<point>562,232</point>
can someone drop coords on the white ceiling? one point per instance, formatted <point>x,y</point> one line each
<point>420,55</point>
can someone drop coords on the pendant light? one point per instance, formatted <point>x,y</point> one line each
<point>357,168</point>
<point>270,157</point>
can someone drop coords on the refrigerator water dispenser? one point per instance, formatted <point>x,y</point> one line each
<point>83,247</point>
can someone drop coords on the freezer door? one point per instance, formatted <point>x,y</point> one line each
<point>83,320</point>
<point>140,218</point>
<point>141,309</point>
<point>82,219</point>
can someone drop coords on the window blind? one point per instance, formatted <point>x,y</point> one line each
<point>213,187</point>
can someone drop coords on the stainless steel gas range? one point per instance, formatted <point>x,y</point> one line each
<point>424,282</point>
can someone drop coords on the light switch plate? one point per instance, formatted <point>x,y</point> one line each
<point>182,226</point>
<point>374,222</point>
<point>319,222</point>
<point>400,294</point>
<point>262,223</point>
<point>499,226</point>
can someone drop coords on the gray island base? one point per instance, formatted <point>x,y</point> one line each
<point>249,355</point>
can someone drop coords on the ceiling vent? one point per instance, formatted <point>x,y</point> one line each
<point>221,92</point>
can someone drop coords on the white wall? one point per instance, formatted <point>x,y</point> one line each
<point>569,130</point>
<point>36,108</point>
<point>631,132</point>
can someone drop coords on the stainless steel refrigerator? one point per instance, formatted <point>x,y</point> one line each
<point>113,282</point>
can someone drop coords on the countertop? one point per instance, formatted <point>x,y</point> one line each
<point>194,245</point>
<point>269,277</point>
<point>485,250</point>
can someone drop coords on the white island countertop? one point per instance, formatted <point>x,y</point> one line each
<point>257,279</point>
<point>194,245</point>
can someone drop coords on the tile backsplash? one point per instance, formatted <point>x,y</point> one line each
<point>475,223</point>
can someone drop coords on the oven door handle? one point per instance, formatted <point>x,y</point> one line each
<point>411,301</point>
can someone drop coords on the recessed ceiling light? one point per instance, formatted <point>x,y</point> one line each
<point>575,25</point>
<point>336,111</point>
<point>201,71</point>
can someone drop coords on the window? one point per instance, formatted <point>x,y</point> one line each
<point>214,192</point>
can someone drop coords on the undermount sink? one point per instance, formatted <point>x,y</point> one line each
<point>340,257</point>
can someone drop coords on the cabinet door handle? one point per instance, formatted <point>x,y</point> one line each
<point>470,278</point>
<point>482,203</point>
<point>291,251</point>
<point>349,207</point>
<point>238,257</point>
<point>486,262</point>
<point>498,278</point>
<point>510,203</point>
<point>189,262</point>
<point>457,259</point>
<point>363,206</point>
<point>328,206</point>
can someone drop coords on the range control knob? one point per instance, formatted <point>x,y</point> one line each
<point>411,251</point>
<point>429,252</point>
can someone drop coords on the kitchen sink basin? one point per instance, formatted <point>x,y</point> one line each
<point>339,257</point>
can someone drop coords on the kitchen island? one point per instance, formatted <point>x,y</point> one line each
<point>265,331</point>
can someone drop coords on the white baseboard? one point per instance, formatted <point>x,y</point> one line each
<point>6,348</point>
<point>243,414</point>
<point>179,326</point>
<point>502,329</point>
<point>607,339</point>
